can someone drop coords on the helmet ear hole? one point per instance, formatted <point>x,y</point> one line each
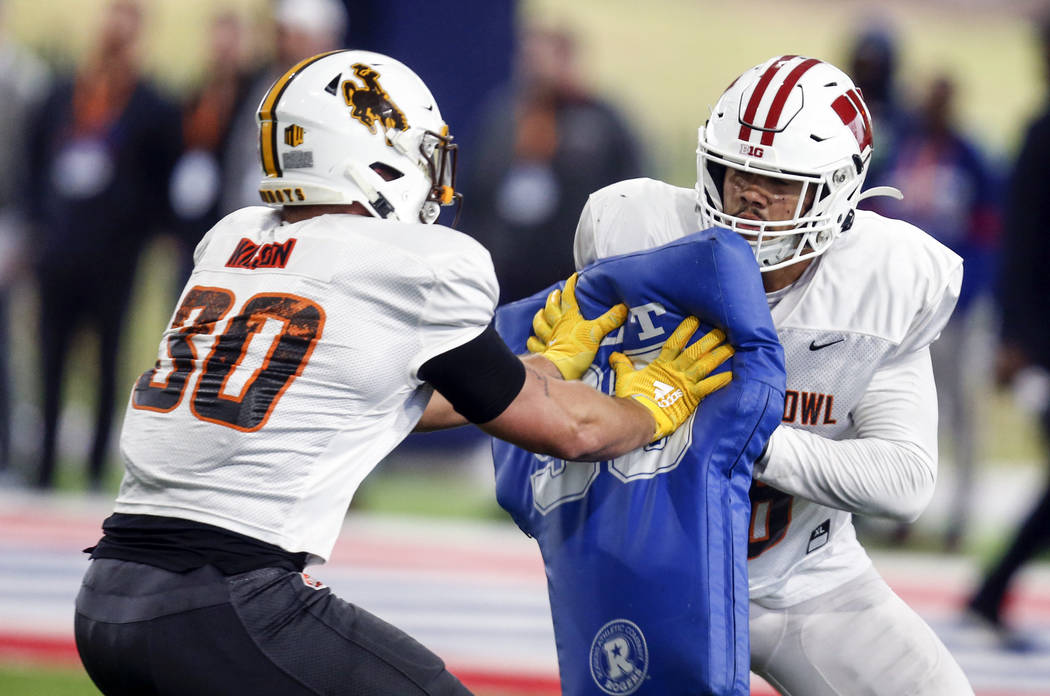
<point>385,171</point>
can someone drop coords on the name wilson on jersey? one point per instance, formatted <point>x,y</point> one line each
<point>248,254</point>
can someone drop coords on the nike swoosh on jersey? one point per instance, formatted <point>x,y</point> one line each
<point>813,345</point>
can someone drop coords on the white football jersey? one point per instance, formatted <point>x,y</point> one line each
<point>289,369</point>
<point>855,329</point>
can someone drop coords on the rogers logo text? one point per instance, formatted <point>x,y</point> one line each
<point>619,657</point>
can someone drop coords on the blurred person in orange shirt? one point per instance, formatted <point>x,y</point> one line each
<point>207,123</point>
<point>102,149</point>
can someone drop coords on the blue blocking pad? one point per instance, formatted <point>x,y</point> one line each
<point>646,555</point>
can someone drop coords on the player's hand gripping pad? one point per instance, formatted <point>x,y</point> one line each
<point>564,337</point>
<point>646,555</point>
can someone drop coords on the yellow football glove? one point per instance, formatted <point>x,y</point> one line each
<point>564,337</point>
<point>673,385</point>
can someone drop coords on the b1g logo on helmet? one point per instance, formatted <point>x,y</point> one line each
<point>371,103</point>
<point>619,657</point>
<point>752,150</point>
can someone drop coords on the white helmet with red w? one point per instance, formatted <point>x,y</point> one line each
<point>798,119</point>
<point>356,126</point>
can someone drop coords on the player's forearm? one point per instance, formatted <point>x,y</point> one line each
<point>866,476</point>
<point>440,414</point>
<point>602,427</point>
<point>571,420</point>
<point>599,427</point>
<point>889,466</point>
<point>541,365</point>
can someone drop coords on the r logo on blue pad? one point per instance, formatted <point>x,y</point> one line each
<point>619,657</point>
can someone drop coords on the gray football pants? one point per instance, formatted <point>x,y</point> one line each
<point>141,630</point>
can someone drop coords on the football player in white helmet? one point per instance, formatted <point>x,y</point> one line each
<point>312,336</point>
<point>856,299</point>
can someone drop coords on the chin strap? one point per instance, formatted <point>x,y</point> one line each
<point>876,191</point>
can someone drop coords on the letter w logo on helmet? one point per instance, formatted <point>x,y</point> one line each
<point>371,103</point>
<point>850,108</point>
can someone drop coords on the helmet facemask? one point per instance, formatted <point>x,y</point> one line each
<point>809,230</point>
<point>441,155</point>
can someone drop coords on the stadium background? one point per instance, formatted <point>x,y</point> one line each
<point>664,64</point>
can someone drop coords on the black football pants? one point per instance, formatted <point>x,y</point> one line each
<point>144,631</point>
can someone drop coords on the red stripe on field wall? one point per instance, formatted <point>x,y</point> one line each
<point>508,683</point>
<point>57,651</point>
<point>61,652</point>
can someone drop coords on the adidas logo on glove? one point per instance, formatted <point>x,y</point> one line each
<point>675,383</point>
<point>666,394</point>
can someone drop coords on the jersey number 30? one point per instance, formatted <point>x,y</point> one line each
<point>273,334</point>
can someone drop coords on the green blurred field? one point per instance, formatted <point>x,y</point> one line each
<point>27,680</point>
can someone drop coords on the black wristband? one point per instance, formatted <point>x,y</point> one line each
<point>479,378</point>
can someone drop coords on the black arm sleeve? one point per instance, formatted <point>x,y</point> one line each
<point>479,378</point>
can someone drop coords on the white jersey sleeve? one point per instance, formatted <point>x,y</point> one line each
<point>630,216</point>
<point>887,469</point>
<point>461,302</point>
<point>202,246</point>
<point>936,280</point>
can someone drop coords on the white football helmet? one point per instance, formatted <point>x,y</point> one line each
<point>352,126</point>
<point>793,118</point>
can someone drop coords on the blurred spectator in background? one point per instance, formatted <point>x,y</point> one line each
<point>1024,350</point>
<point>953,194</point>
<point>873,67</point>
<point>302,28</point>
<point>23,82</point>
<point>207,120</point>
<point>545,142</point>
<point>102,149</point>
